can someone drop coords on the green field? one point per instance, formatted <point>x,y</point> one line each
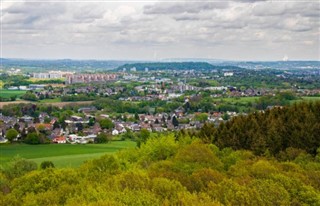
<point>311,98</point>
<point>4,93</point>
<point>245,100</point>
<point>62,155</point>
<point>242,100</point>
<point>50,100</point>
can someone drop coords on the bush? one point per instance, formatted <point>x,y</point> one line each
<point>46,164</point>
<point>18,167</point>
<point>102,138</point>
<point>32,138</point>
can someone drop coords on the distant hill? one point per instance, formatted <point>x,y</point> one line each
<point>176,66</point>
<point>38,65</point>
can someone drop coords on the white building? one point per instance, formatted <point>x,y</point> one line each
<point>228,74</point>
<point>115,132</point>
<point>49,75</point>
<point>216,88</point>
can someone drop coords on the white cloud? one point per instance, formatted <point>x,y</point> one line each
<point>119,30</point>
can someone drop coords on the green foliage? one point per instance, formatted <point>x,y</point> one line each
<point>11,134</point>
<point>32,138</point>
<point>207,132</point>
<point>170,171</point>
<point>28,109</point>
<point>274,131</point>
<point>29,95</point>
<point>158,148</point>
<point>196,156</point>
<point>46,164</point>
<point>175,121</point>
<point>128,135</point>
<point>91,121</point>
<point>201,117</point>
<point>167,189</point>
<point>103,138</point>
<point>143,136</point>
<point>75,98</point>
<point>18,167</point>
<point>106,164</point>
<point>280,99</point>
<point>106,124</point>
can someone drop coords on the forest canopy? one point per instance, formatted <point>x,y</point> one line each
<point>166,171</point>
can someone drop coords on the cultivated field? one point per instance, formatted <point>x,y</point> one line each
<point>62,155</point>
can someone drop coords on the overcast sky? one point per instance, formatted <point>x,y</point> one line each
<point>152,30</point>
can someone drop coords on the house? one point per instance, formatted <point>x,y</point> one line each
<point>82,139</point>
<point>40,126</point>
<point>120,127</point>
<point>87,109</point>
<point>228,74</point>
<point>146,126</point>
<point>179,112</point>
<point>76,118</point>
<point>53,120</point>
<point>104,115</point>
<point>26,119</point>
<point>36,86</point>
<point>56,133</point>
<point>158,128</point>
<point>135,127</point>
<point>59,140</point>
<point>115,132</point>
<point>90,138</point>
<point>43,116</point>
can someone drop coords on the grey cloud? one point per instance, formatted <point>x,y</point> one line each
<point>269,9</point>
<point>249,1</point>
<point>28,8</point>
<point>31,15</point>
<point>31,19</point>
<point>186,28</point>
<point>311,9</point>
<point>185,7</point>
<point>191,17</point>
<point>88,13</point>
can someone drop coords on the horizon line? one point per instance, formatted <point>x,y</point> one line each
<point>196,59</point>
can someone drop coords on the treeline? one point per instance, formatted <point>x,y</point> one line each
<point>175,66</point>
<point>166,171</point>
<point>75,98</point>
<point>20,80</point>
<point>49,81</point>
<point>143,107</point>
<point>33,110</point>
<point>267,79</point>
<point>280,99</point>
<point>296,127</point>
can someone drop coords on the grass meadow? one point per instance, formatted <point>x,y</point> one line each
<point>62,155</point>
<point>50,100</point>
<point>311,98</point>
<point>4,93</point>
